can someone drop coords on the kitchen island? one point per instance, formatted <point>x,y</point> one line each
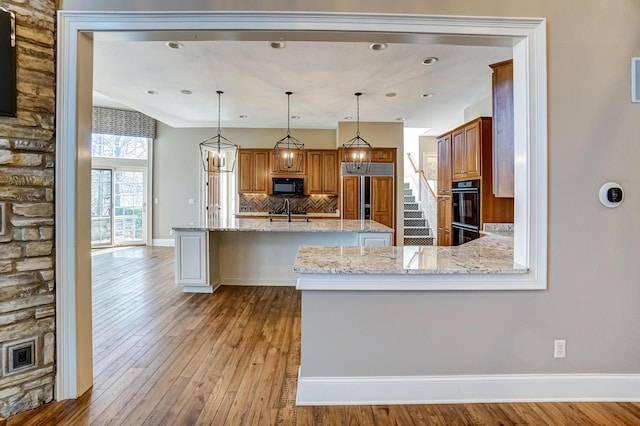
<point>260,251</point>
<point>373,316</point>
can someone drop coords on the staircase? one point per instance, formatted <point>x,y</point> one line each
<point>416,229</point>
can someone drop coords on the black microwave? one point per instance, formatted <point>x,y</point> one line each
<point>288,186</point>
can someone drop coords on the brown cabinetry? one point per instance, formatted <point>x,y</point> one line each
<point>444,165</point>
<point>351,197</point>
<point>503,156</point>
<point>253,171</point>
<point>383,155</point>
<point>444,221</point>
<point>467,144</point>
<point>280,172</point>
<point>382,200</point>
<point>470,158</point>
<point>322,172</point>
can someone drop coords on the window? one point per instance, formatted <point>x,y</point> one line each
<point>116,146</point>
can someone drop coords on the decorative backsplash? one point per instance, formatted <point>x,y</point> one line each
<point>269,203</point>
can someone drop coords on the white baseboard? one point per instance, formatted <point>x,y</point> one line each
<point>285,282</point>
<point>163,242</point>
<point>467,389</point>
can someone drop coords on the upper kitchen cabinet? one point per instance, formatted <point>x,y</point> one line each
<point>274,165</point>
<point>383,155</point>
<point>322,172</point>
<point>469,143</point>
<point>503,156</point>
<point>253,170</point>
<point>444,164</point>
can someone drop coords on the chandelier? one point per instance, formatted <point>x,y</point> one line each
<point>357,151</point>
<point>288,151</point>
<point>218,154</point>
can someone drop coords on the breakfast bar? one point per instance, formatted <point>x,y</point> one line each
<point>260,251</point>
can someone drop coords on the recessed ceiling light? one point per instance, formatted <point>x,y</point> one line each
<point>277,44</point>
<point>378,46</point>
<point>150,92</point>
<point>391,94</point>
<point>186,92</point>
<point>430,60</point>
<point>242,116</point>
<point>426,95</point>
<point>400,119</point>
<point>174,45</point>
<point>295,117</point>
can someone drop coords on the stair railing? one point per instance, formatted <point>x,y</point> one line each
<point>428,198</point>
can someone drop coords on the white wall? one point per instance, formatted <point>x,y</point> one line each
<point>482,108</point>
<point>593,292</point>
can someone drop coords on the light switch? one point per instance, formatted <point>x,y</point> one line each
<point>155,201</point>
<point>192,201</point>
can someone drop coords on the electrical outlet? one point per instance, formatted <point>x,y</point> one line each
<point>559,348</point>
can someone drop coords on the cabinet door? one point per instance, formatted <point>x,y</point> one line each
<point>316,172</point>
<point>444,221</point>
<point>261,171</point>
<point>472,151</point>
<point>245,171</point>
<point>458,154</point>
<point>503,157</point>
<point>350,197</point>
<point>382,200</point>
<point>192,258</point>
<point>383,155</point>
<point>444,165</point>
<point>330,172</point>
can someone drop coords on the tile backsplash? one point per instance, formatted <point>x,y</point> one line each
<point>268,203</point>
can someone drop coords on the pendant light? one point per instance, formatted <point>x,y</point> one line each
<point>288,152</point>
<point>218,154</point>
<point>357,151</point>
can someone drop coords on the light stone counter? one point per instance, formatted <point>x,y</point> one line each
<point>280,224</point>
<point>490,254</point>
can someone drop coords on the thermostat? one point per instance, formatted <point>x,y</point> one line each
<point>611,194</point>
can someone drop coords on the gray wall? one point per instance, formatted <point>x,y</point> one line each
<point>593,296</point>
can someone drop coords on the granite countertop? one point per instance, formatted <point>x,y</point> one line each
<point>490,254</point>
<point>280,224</point>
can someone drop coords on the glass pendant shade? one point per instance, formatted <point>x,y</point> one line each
<point>218,154</point>
<point>288,152</point>
<point>357,151</point>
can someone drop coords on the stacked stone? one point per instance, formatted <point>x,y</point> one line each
<point>27,290</point>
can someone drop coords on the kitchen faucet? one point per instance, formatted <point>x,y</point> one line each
<point>287,208</point>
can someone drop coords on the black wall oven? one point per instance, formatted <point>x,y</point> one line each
<point>466,211</point>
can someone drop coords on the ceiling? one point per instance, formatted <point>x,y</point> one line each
<point>323,73</point>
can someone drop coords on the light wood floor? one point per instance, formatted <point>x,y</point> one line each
<point>162,357</point>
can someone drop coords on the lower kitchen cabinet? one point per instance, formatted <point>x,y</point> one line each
<point>444,221</point>
<point>374,239</point>
<point>192,271</point>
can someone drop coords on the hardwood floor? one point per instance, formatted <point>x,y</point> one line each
<point>164,357</point>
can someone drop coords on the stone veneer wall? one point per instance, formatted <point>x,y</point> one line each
<point>27,290</point>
